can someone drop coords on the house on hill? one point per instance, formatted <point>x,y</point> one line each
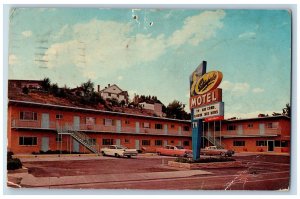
<point>113,91</point>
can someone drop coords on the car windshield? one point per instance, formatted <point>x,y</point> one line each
<point>179,147</point>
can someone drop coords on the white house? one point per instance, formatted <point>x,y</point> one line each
<point>156,107</point>
<point>113,91</point>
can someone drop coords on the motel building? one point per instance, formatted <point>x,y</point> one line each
<point>41,124</point>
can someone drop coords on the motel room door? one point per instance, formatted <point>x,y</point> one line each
<point>270,145</point>
<point>137,144</point>
<point>137,127</point>
<point>165,128</point>
<point>75,146</point>
<point>45,121</point>
<point>261,129</point>
<point>118,123</point>
<point>118,142</point>
<point>45,144</point>
<point>76,123</point>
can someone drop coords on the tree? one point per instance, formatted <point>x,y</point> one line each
<point>46,84</point>
<point>287,110</point>
<point>54,89</point>
<point>122,103</point>
<point>175,110</point>
<point>88,88</point>
<point>275,114</point>
<point>25,90</point>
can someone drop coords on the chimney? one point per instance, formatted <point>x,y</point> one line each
<point>98,88</point>
<point>108,85</point>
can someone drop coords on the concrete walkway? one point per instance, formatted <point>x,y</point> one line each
<point>29,180</point>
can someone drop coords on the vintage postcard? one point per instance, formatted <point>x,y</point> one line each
<point>149,99</point>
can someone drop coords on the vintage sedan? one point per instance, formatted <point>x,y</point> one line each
<point>213,150</point>
<point>118,151</point>
<point>177,151</point>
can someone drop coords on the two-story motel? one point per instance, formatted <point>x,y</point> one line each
<point>35,126</point>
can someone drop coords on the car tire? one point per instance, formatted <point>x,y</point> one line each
<point>128,156</point>
<point>117,155</point>
<point>222,154</point>
<point>158,153</point>
<point>103,154</point>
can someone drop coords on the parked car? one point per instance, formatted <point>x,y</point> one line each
<point>213,150</point>
<point>174,151</point>
<point>118,151</point>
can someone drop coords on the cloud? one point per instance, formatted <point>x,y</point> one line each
<point>104,46</point>
<point>120,77</point>
<point>12,59</point>
<point>252,114</point>
<point>27,33</point>
<point>247,35</point>
<point>98,48</point>
<point>258,90</point>
<point>235,88</point>
<point>198,28</point>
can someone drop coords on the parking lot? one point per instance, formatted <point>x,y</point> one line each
<point>151,172</point>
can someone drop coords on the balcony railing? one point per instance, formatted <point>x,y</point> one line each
<point>250,132</point>
<point>64,126</point>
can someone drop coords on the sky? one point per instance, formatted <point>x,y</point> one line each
<point>154,51</point>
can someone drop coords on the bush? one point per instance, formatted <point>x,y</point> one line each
<point>9,155</point>
<point>13,164</point>
<point>206,160</point>
<point>25,90</point>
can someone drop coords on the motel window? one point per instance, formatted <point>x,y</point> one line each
<point>172,126</point>
<point>261,143</point>
<point>92,141</point>
<point>238,143</point>
<point>58,138</point>
<point>146,142</point>
<point>109,94</point>
<point>186,128</point>
<point>107,141</point>
<point>269,125</point>
<point>284,143</point>
<point>186,143</point>
<point>126,141</point>
<point>26,115</point>
<point>250,125</point>
<point>27,141</point>
<point>59,116</point>
<point>172,141</point>
<point>272,125</point>
<point>158,126</point>
<point>158,142</point>
<point>217,128</point>
<point>231,127</point>
<point>107,122</point>
<point>127,122</point>
<point>146,125</point>
<point>277,143</point>
<point>90,120</point>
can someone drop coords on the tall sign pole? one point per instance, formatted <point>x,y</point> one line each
<point>205,102</point>
<point>196,124</point>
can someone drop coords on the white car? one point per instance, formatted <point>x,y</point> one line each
<point>118,151</point>
<point>213,150</point>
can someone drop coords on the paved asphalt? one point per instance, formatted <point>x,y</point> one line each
<point>151,172</point>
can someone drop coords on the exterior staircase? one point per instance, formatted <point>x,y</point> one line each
<point>216,142</point>
<point>80,137</point>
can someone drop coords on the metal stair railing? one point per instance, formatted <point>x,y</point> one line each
<point>86,141</point>
<point>215,142</point>
<point>81,137</point>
